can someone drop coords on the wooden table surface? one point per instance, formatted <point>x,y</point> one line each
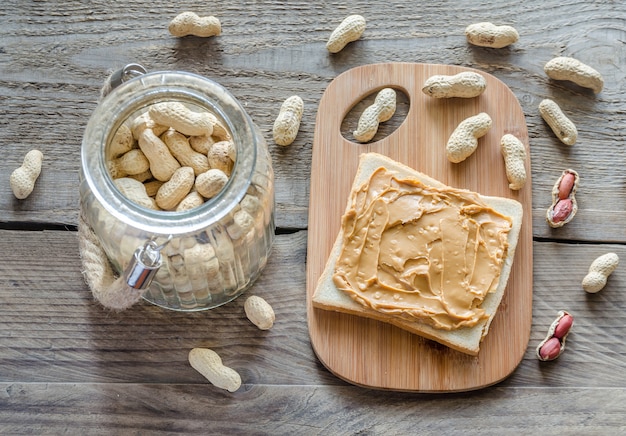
<point>69,366</point>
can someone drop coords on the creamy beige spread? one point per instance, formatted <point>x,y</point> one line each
<point>419,252</point>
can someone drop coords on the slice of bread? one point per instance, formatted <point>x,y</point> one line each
<point>465,339</point>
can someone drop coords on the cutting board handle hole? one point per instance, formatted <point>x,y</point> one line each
<point>350,121</point>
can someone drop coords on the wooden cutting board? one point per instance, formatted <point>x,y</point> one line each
<point>374,354</point>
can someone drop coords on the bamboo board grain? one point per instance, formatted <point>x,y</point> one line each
<point>377,355</point>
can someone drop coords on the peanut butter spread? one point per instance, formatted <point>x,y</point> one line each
<point>419,252</point>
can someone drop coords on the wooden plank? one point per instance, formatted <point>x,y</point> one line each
<point>54,63</point>
<point>396,359</point>
<point>52,330</point>
<point>94,408</point>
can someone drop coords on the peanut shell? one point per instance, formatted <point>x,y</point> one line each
<point>554,214</point>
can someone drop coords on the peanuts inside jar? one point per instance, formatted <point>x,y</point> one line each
<point>182,156</point>
<point>195,172</point>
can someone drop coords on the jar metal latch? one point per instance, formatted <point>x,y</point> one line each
<point>122,75</point>
<point>144,264</point>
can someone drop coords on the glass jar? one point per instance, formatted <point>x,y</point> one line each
<point>210,254</point>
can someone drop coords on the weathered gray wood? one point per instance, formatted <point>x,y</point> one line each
<point>53,331</point>
<point>93,409</point>
<point>52,328</point>
<point>55,58</point>
<point>66,364</point>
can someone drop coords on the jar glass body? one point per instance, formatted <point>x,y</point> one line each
<point>211,255</point>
